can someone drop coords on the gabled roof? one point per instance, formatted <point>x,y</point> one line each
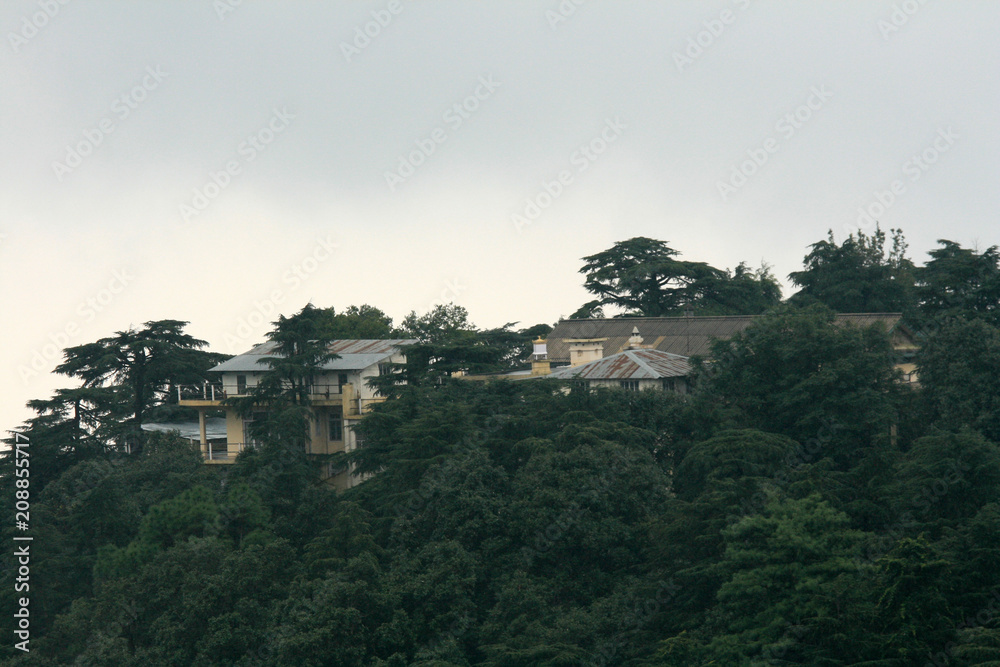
<point>355,355</point>
<point>640,364</point>
<point>686,336</point>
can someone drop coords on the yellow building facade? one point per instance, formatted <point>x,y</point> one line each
<point>339,397</point>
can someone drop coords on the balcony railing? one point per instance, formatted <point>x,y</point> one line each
<point>226,451</point>
<point>354,406</point>
<point>217,391</point>
<point>206,392</point>
<point>321,391</point>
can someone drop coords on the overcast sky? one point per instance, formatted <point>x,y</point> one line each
<point>203,160</point>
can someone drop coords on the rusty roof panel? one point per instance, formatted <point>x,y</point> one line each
<point>640,364</point>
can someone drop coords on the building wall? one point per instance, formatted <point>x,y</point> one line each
<point>909,370</point>
<point>229,381</point>
<point>582,353</point>
<point>234,427</point>
<point>679,384</point>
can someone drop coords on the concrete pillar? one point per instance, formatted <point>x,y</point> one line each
<point>203,436</point>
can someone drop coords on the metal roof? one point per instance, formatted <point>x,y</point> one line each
<point>354,355</point>
<point>639,364</point>
<point>686,336</point>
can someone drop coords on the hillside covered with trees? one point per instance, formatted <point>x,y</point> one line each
<point>801,506</point>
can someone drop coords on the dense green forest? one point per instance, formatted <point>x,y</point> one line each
<point>801,506</point>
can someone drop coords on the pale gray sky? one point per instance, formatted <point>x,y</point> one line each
<point>199,160</point>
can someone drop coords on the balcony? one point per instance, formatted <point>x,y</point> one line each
<point>201,395</point>
<point>354,406</point>
<point>212,394</point>
<point>223,453</point>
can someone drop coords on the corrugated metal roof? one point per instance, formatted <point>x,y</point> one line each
<point>354,355</point>
<point>686,336</point>
<point>641,364</point>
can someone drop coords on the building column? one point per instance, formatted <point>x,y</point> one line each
<point>203,436</point>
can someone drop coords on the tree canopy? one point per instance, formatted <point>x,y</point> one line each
<point>359,322</point>
<point>960,282</point>
<point>643,276</point>
<point>449,344</point>
<point>140,367</point>
<point>858,276</point>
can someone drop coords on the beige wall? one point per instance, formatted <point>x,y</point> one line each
<point>582,353</point>
<point>909,372</point>
<point>234,426</point>
<point>229,381</point>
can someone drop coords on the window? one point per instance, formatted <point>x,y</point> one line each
<point>630,385</point>
<point>669,384</point>
<point>241,385</point>
<point>384,369</point>
<point>335,427</point>
<point>342,379</point>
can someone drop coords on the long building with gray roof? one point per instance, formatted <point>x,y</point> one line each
<point>686,336</point>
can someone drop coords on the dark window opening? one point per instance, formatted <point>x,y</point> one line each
<point>335,428</point>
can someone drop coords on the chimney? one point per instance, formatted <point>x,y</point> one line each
<point>583,350</point>
<point>540,358</point>
<point>635,341</point>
